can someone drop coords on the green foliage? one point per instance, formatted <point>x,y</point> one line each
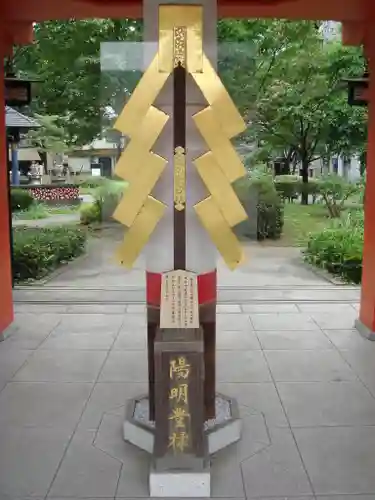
<point>290,187</point>
<point>252,50</point>
<point>65,57</point>
<point>107,197</point>
<point>270,209</point>
<point>90,214</point>
<point>338,249</point>
<point>51,136</point>
<point>36,211</point>
<point>335,191</point>
<point>38,251</point>
<point>20,199</point>
<point>93,182</point>
<point>301,110</point>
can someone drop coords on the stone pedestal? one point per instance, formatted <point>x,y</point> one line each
<point>180,484</point>
<point>221,432</point>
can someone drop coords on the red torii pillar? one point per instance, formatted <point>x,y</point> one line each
<point>366,322</point>
<point>6,303</point>
<point>10,34</point>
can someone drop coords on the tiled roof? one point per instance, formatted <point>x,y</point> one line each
<point>15,119</point>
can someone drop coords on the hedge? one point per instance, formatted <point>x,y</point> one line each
<point>106,199</point>
<point>269,207</point>
<point>38,251</point>
<point>94,182</point>
<point>291,187</point>
<point>338,249</point>
<point>20,199</point>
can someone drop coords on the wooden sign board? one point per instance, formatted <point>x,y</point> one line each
<point>179,306</point>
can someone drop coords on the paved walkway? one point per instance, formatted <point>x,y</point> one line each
<point>52,220</point>
<point>265,266</point>
<point>304,378</point>
<point>305,381</point>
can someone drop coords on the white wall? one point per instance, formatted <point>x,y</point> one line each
<point>77,162</point>
<point>349,170</point>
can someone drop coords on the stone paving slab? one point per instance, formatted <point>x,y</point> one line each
<point>306,395</point>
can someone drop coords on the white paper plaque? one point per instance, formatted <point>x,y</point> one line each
<point>179,306</point>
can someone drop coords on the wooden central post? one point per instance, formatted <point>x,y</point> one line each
<point>179,145</point>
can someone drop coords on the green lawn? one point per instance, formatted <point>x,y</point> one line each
<point>69,209</point>
<point>300,220</point>
<point>86,190</point>
<point>41,211</point>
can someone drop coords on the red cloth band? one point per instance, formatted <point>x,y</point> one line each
<point>206,288</point>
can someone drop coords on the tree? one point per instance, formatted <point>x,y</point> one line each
<point>281,76</point>
<point>252,52</point>
<point>65,57</point>
<point>304,105</point>
<point>49,137</point>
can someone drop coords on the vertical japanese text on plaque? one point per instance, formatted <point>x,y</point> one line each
<point>179,405</point>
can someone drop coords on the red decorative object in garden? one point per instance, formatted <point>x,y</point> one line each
<point>54,193</point>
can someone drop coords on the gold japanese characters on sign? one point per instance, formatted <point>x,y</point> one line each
<point>179,411</point>
<point>180,43</point>
<point>179,175</point>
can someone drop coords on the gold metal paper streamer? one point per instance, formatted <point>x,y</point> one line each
<point>219,100</point>
<point>180,43</point>
<point>141,184</point>
<point>141,168</point>
<point>141,100</point>
<point>219,144</point>
<point>140,232</point>
<point>220,232</point>
<point>221,190</point>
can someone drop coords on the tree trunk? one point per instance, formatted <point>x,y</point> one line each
<point>362,160</point>
<point>305,180</point>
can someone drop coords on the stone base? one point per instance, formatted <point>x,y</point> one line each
<point>364,330</point>
<point>180,484</point>
<point>224,430</point>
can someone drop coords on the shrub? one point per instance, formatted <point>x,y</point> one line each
<point>35,211</point>
<point>20,199</point>
<point>94,182</point>
<point>290,187</point>
<point>269,207</point>
<point>338,249</point>
<point>38,251</point>
<point>106,199</point>
<point>335,191</point>
<point>90,213</point>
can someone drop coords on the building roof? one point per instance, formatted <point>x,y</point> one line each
<point>100,144</point>
<point>27,154</point>
<point>15,119</point>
